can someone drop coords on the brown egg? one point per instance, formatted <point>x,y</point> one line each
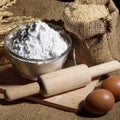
<point>113,85</point>
<point>99,101</point>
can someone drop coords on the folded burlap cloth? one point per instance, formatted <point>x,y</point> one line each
<point>94,41</point>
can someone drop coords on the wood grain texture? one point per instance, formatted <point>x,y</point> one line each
<point>68,101</point>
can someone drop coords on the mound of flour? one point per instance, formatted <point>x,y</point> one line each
<point>37,41</point>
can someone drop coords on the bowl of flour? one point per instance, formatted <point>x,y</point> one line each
<point>37,48</point>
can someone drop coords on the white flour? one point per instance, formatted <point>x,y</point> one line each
<point>37,41</point>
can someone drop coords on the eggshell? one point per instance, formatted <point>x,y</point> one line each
<point>99,101</point>
<point>113,85</point>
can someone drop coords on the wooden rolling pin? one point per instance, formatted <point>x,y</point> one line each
<point>62,80</point>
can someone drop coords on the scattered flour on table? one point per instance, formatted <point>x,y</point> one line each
<point>37,41</point>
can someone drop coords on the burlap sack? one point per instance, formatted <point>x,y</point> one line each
<point>96,41</point>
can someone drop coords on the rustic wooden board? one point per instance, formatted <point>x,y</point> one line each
<point>69,101</point>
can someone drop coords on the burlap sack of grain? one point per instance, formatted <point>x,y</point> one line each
<point>96,40</point>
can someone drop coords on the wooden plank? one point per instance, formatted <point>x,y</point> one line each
<point>69,101</point>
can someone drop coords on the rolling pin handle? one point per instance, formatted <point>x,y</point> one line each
<point>104,68</point>
<point>22,91</point>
